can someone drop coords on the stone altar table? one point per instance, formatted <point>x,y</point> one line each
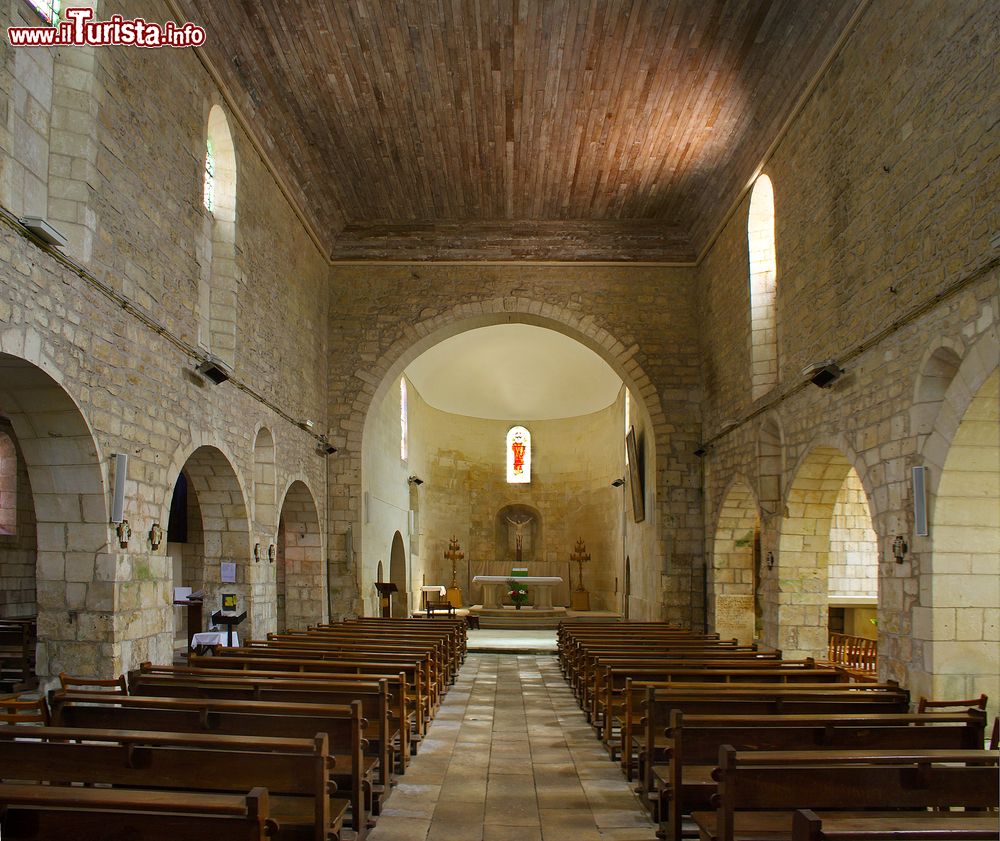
<point>492,593</point>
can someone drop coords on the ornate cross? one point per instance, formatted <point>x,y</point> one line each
<point>454,555</point>
<point>580,554</point>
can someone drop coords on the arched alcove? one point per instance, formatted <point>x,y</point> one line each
<point>75,567</point>
<point>936,375</point>
<point>300,574</point>
<point>263,481</point>
<point>217,530</point>
<point>18,533</point>
<point>397,575</point>
<point>733,574</point>
<point>796,618</point>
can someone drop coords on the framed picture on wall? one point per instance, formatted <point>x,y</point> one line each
<point>635,477</point>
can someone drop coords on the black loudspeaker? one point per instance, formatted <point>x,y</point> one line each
<point>920,501</point>
<point>121,474</point>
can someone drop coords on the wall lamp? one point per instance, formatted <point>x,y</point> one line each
<point>307,424</point>
<point>325,447</point>
<point>823,374</point>
<point>617,483</point>
<point>414,480</point>
<point>43,230</point>
<point>215,369</point>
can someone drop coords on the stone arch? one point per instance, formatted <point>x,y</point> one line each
<point>415,338</point>
<point>734,568</point>
<point>18,531</point>
<point>938,369</point>
<point>264,489</point>
<point>955,622</point>
<point>76,570</point>
<point>218,530</point>
<point>397,575</point>
<point>796,604</point>
<point>219,276</point>
<point>300,575</point>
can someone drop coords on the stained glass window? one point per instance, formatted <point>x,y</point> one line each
<point>404,423</point>
<point>49,10</point>
<point>208,196</point>
<point>518,455</point>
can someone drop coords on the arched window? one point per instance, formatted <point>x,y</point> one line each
<point>763,272</point>
<point>518,456</point>
<point>404,422</point>
<point>48,9</point>
<point>217,289</point>
<point>208,193</point>
<point>628,420</point>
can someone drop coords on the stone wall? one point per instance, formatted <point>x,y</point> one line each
<point>18,541</point>
<point>113,340</point>
<point>884,187</point>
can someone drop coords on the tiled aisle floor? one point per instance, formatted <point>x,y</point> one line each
<point>510,757</point>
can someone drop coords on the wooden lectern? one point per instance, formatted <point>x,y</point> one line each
<point>230,620</point>
<point>385,591</point>
<point>193,606</point>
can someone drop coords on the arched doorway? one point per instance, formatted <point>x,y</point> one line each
<point>397,575</point>
<point>365,426</point>
<point>796,608</point>
<point>75,565</point>
<point>18,534</point>
<point>960,592</point>
<point>300,575</point>
<point>734,586</point>
<point>209,534</point>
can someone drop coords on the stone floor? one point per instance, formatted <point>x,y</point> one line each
<point>510,757</point>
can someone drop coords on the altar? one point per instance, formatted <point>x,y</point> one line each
<point>493,594</point>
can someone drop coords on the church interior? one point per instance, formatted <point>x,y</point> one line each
<point>687,311</point>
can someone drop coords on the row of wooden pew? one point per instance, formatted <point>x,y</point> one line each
<point>18,636</point>
<point>727,741</point>
<point>299,736</point>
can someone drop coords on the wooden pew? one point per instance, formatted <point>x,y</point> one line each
<point>894,826</point>
<point>741,700</point>
<point>758,791</point>
<point>373,696</point>
<point>311,665</point>
<point>344,726</point>
<point>17,656</point>
<point>457,630</point>
<point>296,773</point>
<point>615,684</point>
<point>402,707</point>
<point>41,813</point>
<point>683,784</point>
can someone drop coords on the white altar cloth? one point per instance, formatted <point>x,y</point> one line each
<point>213,638</point>
<point>542,584</point>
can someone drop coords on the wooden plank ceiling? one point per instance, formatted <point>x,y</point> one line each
<point>517,129</point>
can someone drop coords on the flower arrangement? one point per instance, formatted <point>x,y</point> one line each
<point>517,593</point>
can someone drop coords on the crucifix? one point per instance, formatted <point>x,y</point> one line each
<point>519,534</point>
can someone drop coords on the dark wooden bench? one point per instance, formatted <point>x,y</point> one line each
<point>295,772</point>
<point>344,726</point>
<point>691,745</point>
<point>256,662</point>
<point>33,812</point>
<point>758,791</point>
<point>894,826</point>
<point>373,696</point>
<point>17,656</point>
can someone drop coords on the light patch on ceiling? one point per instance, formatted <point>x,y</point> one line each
<point>514,372</point>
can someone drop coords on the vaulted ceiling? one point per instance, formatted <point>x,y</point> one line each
<point>516,129</point>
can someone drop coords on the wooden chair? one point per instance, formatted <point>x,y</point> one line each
<point>112,686</point>
<point>24,711</point>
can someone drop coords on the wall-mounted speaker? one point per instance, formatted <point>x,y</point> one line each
<point>121,474</point>
<point>920,501</point>
<point>367,505</point>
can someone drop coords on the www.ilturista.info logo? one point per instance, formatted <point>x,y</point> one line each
<point>78,30</point>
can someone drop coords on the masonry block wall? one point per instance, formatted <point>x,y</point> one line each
<point>115,334</point>
<point>885,190</point>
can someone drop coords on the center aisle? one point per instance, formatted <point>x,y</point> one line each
<point>510,757</point>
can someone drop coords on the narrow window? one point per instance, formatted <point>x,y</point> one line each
<point>518,456</point>
<point>48,10</point>
<point>763,287</point>
<point>208,194</point>
<point>404,423</point>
